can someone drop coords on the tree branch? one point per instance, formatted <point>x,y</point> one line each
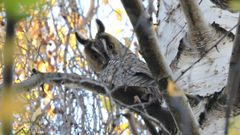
<point>132,122</point>
<point>90,13</point>
<point>177,103</point>
<point>233,83</point>
<point>198,32</point>
<point>150,126</point>
<point>68,80</point>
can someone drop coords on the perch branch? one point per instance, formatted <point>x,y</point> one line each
<point>68,80</point>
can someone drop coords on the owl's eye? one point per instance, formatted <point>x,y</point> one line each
<point>110,46</point>
<point>95,55</point>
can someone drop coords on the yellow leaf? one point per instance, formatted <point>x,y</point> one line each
<point>72,41</point>
<point>18,66</point>
<point>19,35</point>
<point>36,94</point>
<point>28,96</point>
<point>51,113</point>
<point>122,127</point>
<point>47,89</point>
<point>105,2</point>
<point>82,64</point>
<point>106,103</point>
<point>62,34</point>
<point>41,66</point>
<point>173,90</point>
<point>17,81</point>
<point>118,32</point>
<point>127,42</point>
<point>44,66</point>
<point>60,56</point>
<point>118,14</point>
<point>70,21</point>
<point>52,2</point>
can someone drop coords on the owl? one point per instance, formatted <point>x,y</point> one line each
<point>117,67</point>
<point>128,78</point>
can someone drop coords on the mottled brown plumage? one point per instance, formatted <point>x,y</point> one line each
<point>116,66</point>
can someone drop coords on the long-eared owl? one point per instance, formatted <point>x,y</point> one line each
<point>116,66</point>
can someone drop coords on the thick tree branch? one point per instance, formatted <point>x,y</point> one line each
<point>198,32</point>
<point>233,84</point>
<point>177,102</point>
<point>68,80</point>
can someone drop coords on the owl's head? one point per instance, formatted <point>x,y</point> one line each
<point>100,50</point>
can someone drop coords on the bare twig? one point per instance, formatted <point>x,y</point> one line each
<point>90,13</point>
<point>150,127</point>
<point>132,122</point>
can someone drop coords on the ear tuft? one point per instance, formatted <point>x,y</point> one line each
<point>100,26</point>
<point>81,39</point>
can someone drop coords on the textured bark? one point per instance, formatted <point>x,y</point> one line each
<point>198,32</point>
<point>149,45</point>
<point>233,83</point>
<point>204,76</point>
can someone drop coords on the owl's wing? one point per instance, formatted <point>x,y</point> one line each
<point>137,72</point>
